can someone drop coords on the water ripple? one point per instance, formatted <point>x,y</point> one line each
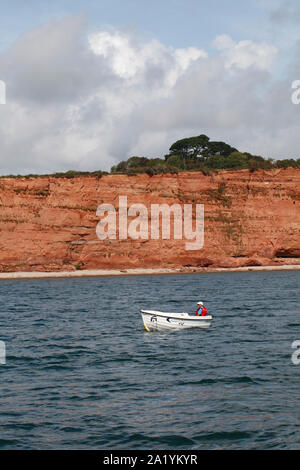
<point>82,373</point>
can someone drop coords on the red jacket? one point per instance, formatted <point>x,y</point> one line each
<point>203,313</point>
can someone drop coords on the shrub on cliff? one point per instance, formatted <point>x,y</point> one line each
<point>287,163</point>
<point>174,161</point>
<point>188,154</point>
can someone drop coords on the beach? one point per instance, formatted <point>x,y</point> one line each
<point>140,272</point>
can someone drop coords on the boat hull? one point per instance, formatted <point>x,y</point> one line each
<point>162,321</point>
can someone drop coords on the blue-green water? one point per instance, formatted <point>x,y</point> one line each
<point>81,372</point>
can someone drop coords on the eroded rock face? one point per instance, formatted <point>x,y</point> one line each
<point>49,224</point>
<point>293,252</point>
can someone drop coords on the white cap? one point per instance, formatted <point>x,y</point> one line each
<point>200,303</point>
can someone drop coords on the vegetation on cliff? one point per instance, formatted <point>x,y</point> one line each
<point>189,154</point>
<point>200,154</point>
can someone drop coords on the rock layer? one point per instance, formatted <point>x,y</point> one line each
<point>49,224</point>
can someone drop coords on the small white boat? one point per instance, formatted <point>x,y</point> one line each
<point>162,321</point>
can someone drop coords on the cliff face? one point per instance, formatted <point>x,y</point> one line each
<point>49,224</point>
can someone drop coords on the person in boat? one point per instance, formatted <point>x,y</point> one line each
<point>201,310</point>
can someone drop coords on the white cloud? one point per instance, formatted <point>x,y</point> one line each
<point>131,60</point>
<point>223,41</point>
<point>117,50</point>
<point>87,102</point>
<point>244,54</point>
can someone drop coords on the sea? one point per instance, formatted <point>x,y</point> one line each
<point>80,371</point>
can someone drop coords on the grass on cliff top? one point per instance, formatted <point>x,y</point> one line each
<point>136,171</point>
<point>66,174</point>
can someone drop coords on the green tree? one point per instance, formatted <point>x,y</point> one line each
<point>220,148</point>
<point>190,148</point>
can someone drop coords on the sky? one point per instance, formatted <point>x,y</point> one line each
<point>90,83</point>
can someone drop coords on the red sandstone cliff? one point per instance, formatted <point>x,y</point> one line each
<point>49,224</point>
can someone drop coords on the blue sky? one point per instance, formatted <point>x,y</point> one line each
<point>90,83</point>
<point>178,23</point>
